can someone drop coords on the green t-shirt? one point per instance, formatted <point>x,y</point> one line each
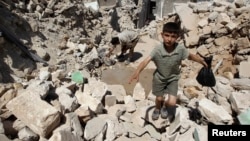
<point>168,64</point>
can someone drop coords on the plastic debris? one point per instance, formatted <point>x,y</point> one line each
<point>77,77</point>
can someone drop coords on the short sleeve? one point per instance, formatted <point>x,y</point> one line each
<point>185,52</point>
<point>153,53</point>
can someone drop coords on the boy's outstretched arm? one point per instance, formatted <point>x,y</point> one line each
<point>137,72</point>
<point>197,58</point>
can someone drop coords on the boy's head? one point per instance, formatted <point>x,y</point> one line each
<point>170,33</point>
<point>171,27</point>
<point>115,41</point>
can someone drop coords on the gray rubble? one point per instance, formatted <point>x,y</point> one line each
<point>43,103</point>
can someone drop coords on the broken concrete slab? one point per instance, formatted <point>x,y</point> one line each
<point>30,109</point>
<point>188,18</point>
<point>94,5</point>
<point>107,4</point>
<point>244,69</point>
<point>215,113</point>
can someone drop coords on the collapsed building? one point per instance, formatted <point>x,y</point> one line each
<point>40,101</point>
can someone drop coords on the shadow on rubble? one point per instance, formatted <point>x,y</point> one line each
<point>14,55</point>
<point>5,72</point>
<point>162,129</point>
<point>135,57</point>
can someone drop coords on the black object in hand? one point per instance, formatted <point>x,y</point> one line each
<point>205,76</point>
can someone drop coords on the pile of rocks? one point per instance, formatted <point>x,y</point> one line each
<point>44,103</point>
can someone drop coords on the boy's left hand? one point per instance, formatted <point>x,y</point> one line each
<point>204,63</point>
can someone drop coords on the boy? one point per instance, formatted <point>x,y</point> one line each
<point>167,58</point>
<point>128,40</point>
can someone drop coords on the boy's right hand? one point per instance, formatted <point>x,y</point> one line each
<point>108,54</point>
<point>134,76</point>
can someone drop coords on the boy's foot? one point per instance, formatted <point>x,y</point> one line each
<point>120,56</point>
<point>155,114</point>
<point>164,112</point>
<point>127,61</point>
<point>171,118</point>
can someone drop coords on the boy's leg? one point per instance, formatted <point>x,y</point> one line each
<point>130,55</point>
<point>123,51</point>
<point>171,101</point>
<point>169,107</point>
<point>159,101</point>
<point>158,90</point>
<point>158,104</point>
<point>171,90</point>
<point>131,50</point>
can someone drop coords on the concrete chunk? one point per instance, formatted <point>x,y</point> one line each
<point>118,91</point>
<point>240,101</point>
<point>214,113</point>
<point>139,92</point>
<point>241,84</point>
<point>244,70</point>
<point>188,18</point>
<point>38,115</point>
<point>65,136</point>
<point>94,127</point>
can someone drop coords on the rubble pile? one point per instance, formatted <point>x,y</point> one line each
<point>41,102</point>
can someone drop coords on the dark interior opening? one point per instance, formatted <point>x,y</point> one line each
<point>152,8</point>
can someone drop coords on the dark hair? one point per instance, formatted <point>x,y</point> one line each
<point>171,27</point>
<point>115,41</point>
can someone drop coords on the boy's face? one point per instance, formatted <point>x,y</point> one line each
<point>169,39</point>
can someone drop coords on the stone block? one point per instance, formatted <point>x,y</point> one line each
<point>35,113</point>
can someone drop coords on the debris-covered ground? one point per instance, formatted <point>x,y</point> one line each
<point>52,62</point>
